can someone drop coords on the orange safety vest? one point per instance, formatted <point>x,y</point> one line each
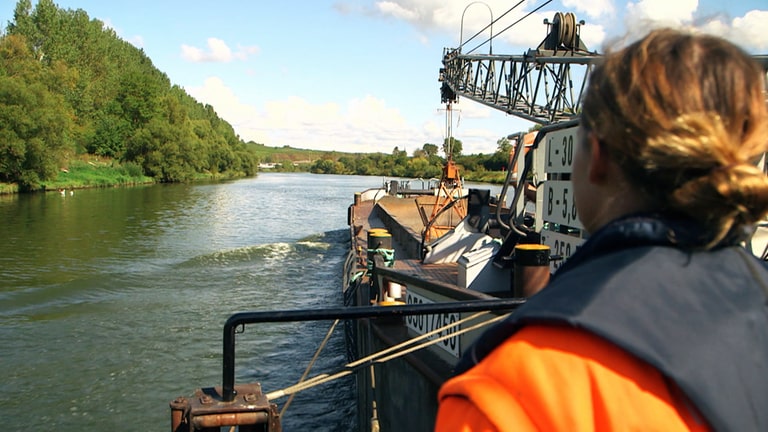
<point>558,378</point>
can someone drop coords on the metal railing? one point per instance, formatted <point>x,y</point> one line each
<point>241,319</point>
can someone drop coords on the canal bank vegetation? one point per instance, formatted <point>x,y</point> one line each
<point>89,172</point>
<point>70,88</point>
<point>424,162</point>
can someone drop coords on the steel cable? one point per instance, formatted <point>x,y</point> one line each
<point>378,356</point>
<point>513,24</point>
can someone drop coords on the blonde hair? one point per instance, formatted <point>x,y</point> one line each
<point>685,117</point>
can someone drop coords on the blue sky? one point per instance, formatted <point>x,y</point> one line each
<point>361,75</point>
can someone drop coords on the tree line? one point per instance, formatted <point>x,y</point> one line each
<point>424,162</point>
<point>69,86</point>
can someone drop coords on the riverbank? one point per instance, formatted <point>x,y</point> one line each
<point>97,172</point>
<point>89,172</point>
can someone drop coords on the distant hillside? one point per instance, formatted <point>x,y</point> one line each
<point>269,154</point>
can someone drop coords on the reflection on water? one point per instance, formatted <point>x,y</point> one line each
<point>112,301</point>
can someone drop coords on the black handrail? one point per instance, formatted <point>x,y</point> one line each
<point>242,318</point>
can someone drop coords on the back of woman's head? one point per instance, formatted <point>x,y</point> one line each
<point>685,117</point>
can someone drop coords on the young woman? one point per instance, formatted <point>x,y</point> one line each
<point>660,320</point>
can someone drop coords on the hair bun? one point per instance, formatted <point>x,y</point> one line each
<point>736,192</point>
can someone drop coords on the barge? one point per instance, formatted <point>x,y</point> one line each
<point>499,250</point>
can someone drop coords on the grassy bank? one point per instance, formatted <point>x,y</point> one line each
<point>88,173</point>
<point>8,188</point>
<point>97,173</point>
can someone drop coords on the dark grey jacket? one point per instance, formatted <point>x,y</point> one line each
<point>701,318</point>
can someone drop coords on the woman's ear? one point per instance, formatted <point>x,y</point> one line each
<point>599,160</point>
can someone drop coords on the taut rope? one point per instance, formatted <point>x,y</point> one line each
<point>379,357</point>
<point>311,363</point>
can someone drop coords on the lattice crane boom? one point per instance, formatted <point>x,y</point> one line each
<point>545,85</point>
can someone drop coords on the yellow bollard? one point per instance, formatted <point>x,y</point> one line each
<point>531,269</point>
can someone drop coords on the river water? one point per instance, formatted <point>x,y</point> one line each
<point>112,301</point>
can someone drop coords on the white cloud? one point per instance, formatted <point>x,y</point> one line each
<point>451,15</point>
<point>477,140</point>
<point>750,29</point>
<point>590,8</point>
<point>661,12</point>
<point>747,31</point>
<point>471,110</point>
<point>362,125</point>
<point>136,40</point>
<point>243,52</point>
<point>593,36</point>
<point>444,15</point>
<point>639,17</point>
<point>397,11</point>
<point>421,13</point>
<point>228,106</point>
<point>218,51</point>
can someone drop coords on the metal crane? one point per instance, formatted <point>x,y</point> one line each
<point>544,85</point>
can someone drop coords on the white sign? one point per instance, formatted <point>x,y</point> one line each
<point>422,324</point>
<point>555,204</point>
<point>563,245</point>
<point>559,206</point>
<point>560,147</point>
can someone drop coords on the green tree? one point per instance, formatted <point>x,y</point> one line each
<point>23,24</point>
<point>471,162</point>
<point>420,167</point>
<point>399,157</point>
<point>365,166</point>
<point>430,150</point>
<point>499,160</point>
<point>138,97</point>
<point>110,130</point>
<point>503,145</point>
<point>324,166</point>
<point>35,133</point>
<point>452,147</point>
<point>118,103</point>
<point>35,122</point>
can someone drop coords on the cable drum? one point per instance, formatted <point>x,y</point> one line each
<point>569,34</point>
<point>565,26</point>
